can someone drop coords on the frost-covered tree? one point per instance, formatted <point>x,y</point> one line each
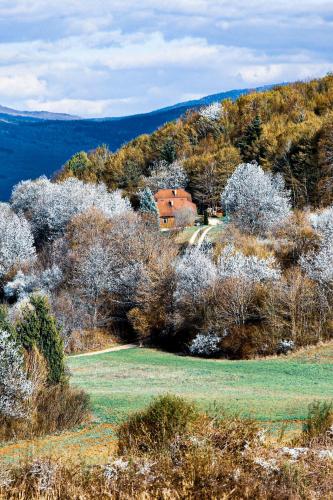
<point>167,176</point>
<point>15,388</point>
<point>148,204</point>
<point>50,206</point>
<point>322,222</point>
<point>234,264</point>
<point>205,344</point>
<point>107,270</point>
<point>92,277</point>
<point>212,111</point>
<point>195,272</point>
<point>16,240</point>
<point>256,200</point>
<point>319,265</point>
<point>22,285</point>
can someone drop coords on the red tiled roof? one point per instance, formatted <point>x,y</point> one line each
<point>163,194</point>
<point>167,210</point>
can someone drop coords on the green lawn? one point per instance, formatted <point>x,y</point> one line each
<point>270,389</point>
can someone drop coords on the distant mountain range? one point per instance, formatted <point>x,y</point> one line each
<point>33,143</point>
<point>42,115</point>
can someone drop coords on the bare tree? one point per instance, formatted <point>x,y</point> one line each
<point>184,217</point>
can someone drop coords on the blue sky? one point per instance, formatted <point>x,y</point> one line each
<point>118,57</point>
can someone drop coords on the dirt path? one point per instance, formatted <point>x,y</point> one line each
<point>110,349</point>
<point>194,236</point>
<point>203,236</point>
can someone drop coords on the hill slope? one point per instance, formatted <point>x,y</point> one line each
<point>36,143</point>
<point>287,129</point>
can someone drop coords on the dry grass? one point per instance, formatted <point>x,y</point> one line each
<point>92,444</point>
<point>205,458</point>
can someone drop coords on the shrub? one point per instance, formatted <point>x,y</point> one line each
<point>60,407</point>
<point>205,345</point>
<point>318,427</point>
<point>155,427</point>
<point>218,458</point>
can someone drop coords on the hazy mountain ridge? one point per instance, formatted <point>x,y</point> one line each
<point>41,115</point>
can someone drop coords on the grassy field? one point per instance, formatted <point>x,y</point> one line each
<point>274,391</point>
<point>270,389</point>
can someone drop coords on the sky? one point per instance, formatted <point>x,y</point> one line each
<point>97,58</point>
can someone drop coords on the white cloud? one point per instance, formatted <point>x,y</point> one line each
<point>22,85</point>
<point>96,57</point>
<point>79,107</point>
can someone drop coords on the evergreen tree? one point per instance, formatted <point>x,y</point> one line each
<point>250,145</point>
<point>206,220</point>
<point>79,164</point>
<point>299,167</point>
<point>148,204</point>
<point>5,324</point>
<point>168,150</point>
<point>38,328</point>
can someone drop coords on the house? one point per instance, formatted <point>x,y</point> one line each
<point>169,201</point>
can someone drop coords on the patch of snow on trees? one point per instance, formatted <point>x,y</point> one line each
<point>24,284</point>
<point>319,265</point>
<point>322,223</point>
<point>148,205</point>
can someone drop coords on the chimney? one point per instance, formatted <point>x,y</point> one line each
<point>174,191</point>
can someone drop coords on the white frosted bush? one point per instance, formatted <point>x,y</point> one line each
<point>212,111</point>
<point>322,222</point>
<point>195,272</point>
<point>234,264</point>
<point>16,239</point>
<point>319,265</point>
<point>23,284</point>
<point>205,344</point>
<point>285,346</point>
<point>167,176</point>
<point>15,388</point>
<point>50,206</point>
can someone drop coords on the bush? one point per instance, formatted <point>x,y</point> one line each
<point>205,345</point>
<point>319,424</point>
<point>60,407</point>
<point>213,458</point>
<point>154,428</point>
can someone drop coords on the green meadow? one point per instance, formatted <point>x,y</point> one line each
<point>275,389</point>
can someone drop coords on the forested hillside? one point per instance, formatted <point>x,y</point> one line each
<point>287,130</point>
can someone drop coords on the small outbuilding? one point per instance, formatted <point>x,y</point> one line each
<point>171,203</point>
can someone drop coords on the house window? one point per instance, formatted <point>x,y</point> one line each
<point>165,220</point>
